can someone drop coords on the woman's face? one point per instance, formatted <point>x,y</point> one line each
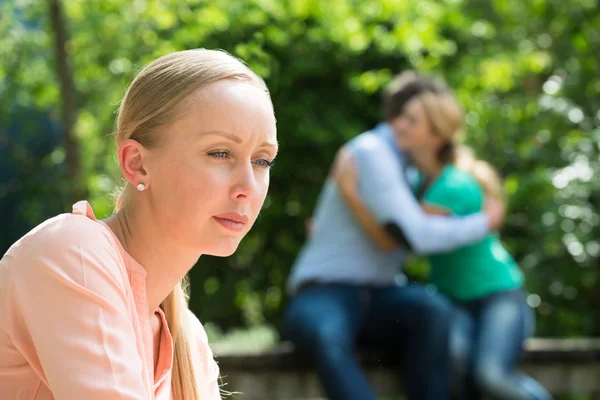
<point>413,130</point>
<point>208,178</point>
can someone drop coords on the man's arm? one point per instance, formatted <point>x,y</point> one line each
<point>385,192</point>
<point>344,174</point>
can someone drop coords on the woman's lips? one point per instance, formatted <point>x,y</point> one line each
<point>233,221</point>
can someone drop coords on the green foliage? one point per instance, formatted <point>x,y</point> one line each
<point>527,74</point>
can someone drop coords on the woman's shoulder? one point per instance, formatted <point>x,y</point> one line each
<point>458,181</point>
<point>456,177</point>
<point>457,190</point>
<point>67,245</point>
<point>66,230</point>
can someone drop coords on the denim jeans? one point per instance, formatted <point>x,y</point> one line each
<point>486,345</point>
<point>327,321</point>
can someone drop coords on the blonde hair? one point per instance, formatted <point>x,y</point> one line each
<point>443,112</point>
<point>446,117</point>
<point>151,102</point>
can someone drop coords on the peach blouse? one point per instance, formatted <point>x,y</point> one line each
<point>74,322</point>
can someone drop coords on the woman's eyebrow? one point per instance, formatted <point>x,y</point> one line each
<point>234,138</point>
<point>227,135</point>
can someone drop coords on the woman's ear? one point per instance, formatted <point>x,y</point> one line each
<point>131,159</point>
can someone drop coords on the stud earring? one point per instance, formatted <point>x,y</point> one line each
<point>141,187</point>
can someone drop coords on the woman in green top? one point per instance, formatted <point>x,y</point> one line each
<point>493,318</point>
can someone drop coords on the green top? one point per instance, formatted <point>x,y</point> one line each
<point>477,270</point>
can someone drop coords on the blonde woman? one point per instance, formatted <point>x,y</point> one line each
<point>482,279</point>
<point>96,309</point>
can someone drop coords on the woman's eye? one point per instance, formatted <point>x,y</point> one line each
<point>220,154</point>
<point>264,163</point>
<point>225,154</point>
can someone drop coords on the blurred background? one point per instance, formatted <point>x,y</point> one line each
<point>527,73</point>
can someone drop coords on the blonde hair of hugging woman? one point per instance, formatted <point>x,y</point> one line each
<point>94,309</point>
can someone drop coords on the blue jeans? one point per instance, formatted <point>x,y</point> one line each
<point>326,322</point>
<point>486,345</point>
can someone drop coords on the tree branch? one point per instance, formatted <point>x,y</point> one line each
<point>69,99</point>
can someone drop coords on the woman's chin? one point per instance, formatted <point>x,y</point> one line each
<point>223,248</point>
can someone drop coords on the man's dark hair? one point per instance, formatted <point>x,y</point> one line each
<point>402,88</point>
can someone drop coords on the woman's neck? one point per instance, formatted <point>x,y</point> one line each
<point>165,262</point>
<point>427,163</point>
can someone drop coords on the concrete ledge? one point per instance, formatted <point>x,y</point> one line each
<point>563,366</point>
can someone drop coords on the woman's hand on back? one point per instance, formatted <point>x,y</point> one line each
<point>344,173</point>
<point>495,210</point>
